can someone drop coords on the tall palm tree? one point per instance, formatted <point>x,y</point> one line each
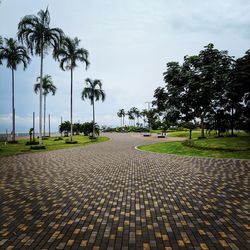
<point>1,43</point>
<point>136,114</point>
<point>94,92</point>
<point>36,34</point>
<point>121,114</point>
<point>68,54</point>
<point>144,115</point>
<point>14,53</point>
<point>48,87</point>
<point>130,115</point>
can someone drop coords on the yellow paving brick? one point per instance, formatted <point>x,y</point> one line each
<point>146,246</point>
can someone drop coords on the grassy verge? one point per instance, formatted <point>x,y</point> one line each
<point>50,144</point>
<point>238,147</point>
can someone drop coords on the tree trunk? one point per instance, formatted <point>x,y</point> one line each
<point>232,121</point>
<point>33,126</point>
<point>123,120</point>
<point>93,103</point>
<point>202,126</point>
<point>41,100</point>
<point>13,107</point>
<point>190,134</point>
<point>71,105</point>
<point>44,115</point>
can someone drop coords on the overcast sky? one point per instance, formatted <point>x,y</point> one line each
<point>129,44</point>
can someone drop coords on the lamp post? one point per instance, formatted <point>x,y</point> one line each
<point>149,104</point>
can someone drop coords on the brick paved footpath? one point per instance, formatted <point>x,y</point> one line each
<point>111,196</point>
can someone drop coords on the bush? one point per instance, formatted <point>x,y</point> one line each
<point>13,142</point>
<point>58,139</point>
<point>71,142</point>
<point>37,147</point>
<point>32,143</point>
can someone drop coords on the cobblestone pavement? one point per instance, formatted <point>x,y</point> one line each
<point>111,196</point>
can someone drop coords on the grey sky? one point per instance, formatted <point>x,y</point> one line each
<point>129,41</point>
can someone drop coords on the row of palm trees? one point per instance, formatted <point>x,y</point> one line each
<point>35,36</point>
<point>133,114</point>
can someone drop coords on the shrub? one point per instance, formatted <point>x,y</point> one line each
<point>32,143</point>
<point>37,147</point>
<point>71,142</point>
<point>13,142</point>
<point>58,139</point>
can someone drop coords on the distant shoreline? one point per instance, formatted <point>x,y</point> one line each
<point>26,135</point>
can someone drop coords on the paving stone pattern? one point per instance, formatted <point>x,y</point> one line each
<point>111,196</point>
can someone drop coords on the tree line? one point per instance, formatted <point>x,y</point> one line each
<point>35,36</point>
<point>210,90</point>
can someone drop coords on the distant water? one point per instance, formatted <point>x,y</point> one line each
<point>21,134</point>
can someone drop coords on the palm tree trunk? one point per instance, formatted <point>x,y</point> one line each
<point>123,120</point>
<point>13,107</point>
<point>71,105</point>
<point>41,99</point>
<point>44,115</point>
<point>93,118</point>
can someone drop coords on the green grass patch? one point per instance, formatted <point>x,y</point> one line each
<point>50,144</point>
<point>223,143</point>
<point>237,147</point>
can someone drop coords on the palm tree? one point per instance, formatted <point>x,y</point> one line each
<point>94,92</point>
<point>136,113</point>
<point>130,115</point>
<point>48,87</point>
<point>36,34</point>
<point>120,116</point>
<point>144,114</point>
<point>1,43</point>
<point>14,54</point>
<point>68,55</point>
<point>121,113</point>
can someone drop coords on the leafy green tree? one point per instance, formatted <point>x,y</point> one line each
<point>36,34</point>
<point>87,128</point>
<point>69,54</point>
<point>65,127</point>
<point>193,88</point>
<point>94,92</point>
<point>77,128</point>
<point>48,87</point>
<point>14,54</point>
<point>242,76</point>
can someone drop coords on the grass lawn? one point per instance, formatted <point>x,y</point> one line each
<point>20,147</point>
<point>241,144</point>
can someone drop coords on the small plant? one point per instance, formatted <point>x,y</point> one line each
<point>32,143</point>
<point>91,137</point>
<point>71,142</point>
<point>37,147</point>
<point>13,142</point>
<point>58,139</point>
<point>31,131</point>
